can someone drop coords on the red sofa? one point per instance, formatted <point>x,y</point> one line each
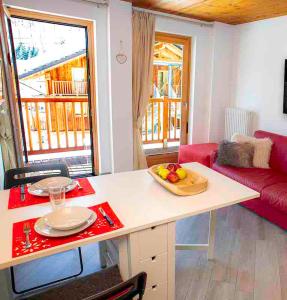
<point>270,183</point>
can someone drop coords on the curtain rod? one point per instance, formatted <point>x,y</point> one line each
<point>194,21</point>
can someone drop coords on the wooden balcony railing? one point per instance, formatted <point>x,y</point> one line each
<point>65,87</point>
<point>162,121</point>
<point>56,124</point>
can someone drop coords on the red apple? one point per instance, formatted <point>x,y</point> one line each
<point>173,167</point>
<point>173,177</point>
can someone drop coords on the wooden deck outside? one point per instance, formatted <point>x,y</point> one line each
<point>77,165</point>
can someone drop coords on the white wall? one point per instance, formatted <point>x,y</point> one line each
<point>260,49</point>
<point>120,29</point>
<point>221,79</point>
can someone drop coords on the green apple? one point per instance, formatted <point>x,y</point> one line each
<point>181,173</point>
<point>163,173</point>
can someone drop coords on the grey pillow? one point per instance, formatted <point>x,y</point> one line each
<point>235,154</point>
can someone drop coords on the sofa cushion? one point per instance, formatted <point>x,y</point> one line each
<point>278,159</point>
<point>254,178</point>
<point>276,196</point>
<point>262,149</point>
<point>235,154</point>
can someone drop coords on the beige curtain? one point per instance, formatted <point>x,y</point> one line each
<point>6,140</point>
<point>10,140</point>
<point>143,43</point>
<point>7,151</point>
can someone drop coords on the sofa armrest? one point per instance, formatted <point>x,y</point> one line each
<point>213,157</point>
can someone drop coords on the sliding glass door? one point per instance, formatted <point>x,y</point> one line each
<point>53,63</point>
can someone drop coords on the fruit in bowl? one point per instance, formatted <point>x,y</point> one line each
<point>181,173</point>
<point>173,167</point>
<point>172,172</point>
<point>173,177</point>
<point>163,173</point>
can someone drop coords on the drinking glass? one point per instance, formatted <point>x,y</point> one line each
<point>57,196</point>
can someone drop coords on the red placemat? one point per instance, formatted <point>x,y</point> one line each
<point>15,195</point>
<point>40,242</point>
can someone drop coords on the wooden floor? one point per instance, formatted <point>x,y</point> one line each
<point>250,260</point>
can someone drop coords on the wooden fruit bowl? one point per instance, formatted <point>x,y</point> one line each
<point>193,184</point>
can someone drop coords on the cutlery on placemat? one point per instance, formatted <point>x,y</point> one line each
<point>108,219</point>
<point>79,186</point>
<point>22,192</point>
<point>27,231</point>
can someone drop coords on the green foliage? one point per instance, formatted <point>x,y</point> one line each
<point>24,53</point>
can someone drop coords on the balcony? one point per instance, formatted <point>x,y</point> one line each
<point>57,128</point>
<point>65,87</point>
<point>162,123</point>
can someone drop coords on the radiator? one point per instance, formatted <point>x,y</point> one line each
<point>238,121</point>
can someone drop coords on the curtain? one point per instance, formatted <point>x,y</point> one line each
<point>10,138</point>
<point>6,136</point>
<point>143,44</point>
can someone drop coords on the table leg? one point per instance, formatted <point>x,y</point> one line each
<point>103,250</point>
<point>5,285</point>
<point>211,239</point>
<point>211,236</point>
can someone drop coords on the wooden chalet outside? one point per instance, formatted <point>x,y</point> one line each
<point>57,119</point>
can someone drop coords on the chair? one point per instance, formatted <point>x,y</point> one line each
<point>103,285</point>
<point>18,176</point>
<point>32,174</point>
<point>2,172</point>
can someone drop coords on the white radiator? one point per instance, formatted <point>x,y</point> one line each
<point>238,121</point>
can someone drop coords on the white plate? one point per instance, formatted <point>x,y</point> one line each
<point>38,192</point>
<point>67,218</point>
<point>43,229</point>
<point>44,184</point>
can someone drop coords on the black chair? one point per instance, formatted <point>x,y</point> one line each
<point>32,174</point>
<point>103,285</point>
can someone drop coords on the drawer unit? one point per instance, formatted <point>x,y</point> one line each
<point>156,292</point>
<point>155,267</point>
<point>150,250</point>
<point>149,242</point>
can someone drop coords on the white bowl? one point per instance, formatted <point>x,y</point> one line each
<point>67,218</point>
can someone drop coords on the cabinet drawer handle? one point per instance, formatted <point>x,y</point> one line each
<point>153,227</point>
<point>154,286</point>
<point>153,258</point>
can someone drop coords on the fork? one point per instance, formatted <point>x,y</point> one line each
<point>22,192</point>
<point>79,186</point>
<point>27,231</point>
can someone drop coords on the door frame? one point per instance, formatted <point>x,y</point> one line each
<point>90,30</point>
<point>186,77</point>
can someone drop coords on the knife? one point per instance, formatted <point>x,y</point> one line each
<point>22,192</point>
<point>108,219</point>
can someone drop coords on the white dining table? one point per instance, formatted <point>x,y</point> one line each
<point>148,213</point>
